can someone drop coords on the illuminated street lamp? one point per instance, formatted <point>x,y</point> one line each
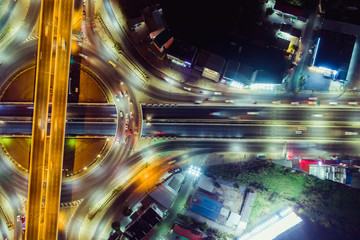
<point>194,171</point>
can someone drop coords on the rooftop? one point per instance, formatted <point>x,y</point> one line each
<point>185,233</point>
<point>209,60</point>
<point>182,50</point>
<point>206,206</point>
<point>239,72</point>
<point>290,9</point>
<point>334,50</point>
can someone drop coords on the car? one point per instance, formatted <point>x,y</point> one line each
<point>294,103</point>
<point>131,115</point>
<point>187,89</point>
<point>121,114</point>
<point>127,118</point>
<point>215,114</point>
<point>18,218</point>
<point>351,133</point>
<point>298,132</point>
<point>276,102</point>
<point>121,94</point>
<point>218,93</point>
<point>312,102</point>
<point>333,103</point>
<point>117,98</point>
<point>176,170</point>
<point>313,98</point>
<point>82,55</point>
<point>353,103</point>
<point>126,126</point>
<point>171,162</point>
<point>112,63</point>
<point>198,101</point>
<point>229,101</point>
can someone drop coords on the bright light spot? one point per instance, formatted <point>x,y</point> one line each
<point>236,85</point>
<point>72,142</point>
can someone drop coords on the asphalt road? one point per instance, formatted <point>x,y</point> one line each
<point>39,126</point>
<point>248,131</point>
<point>22,128</point>
<point>74,111</point>
<point>274,112</point>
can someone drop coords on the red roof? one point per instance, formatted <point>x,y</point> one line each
<point>186,233</point>
<point>289,9</point>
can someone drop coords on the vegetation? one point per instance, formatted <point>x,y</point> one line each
<point>191,223</point>
<point>330,204</point>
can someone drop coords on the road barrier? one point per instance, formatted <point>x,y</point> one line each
<point>115,192</point>
<point>9,223</point>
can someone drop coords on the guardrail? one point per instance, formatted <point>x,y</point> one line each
<point>9,223</point>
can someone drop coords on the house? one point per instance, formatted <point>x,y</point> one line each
<point>334,173</point>
<point>182,53</point>
<point>206,184</point>
<point>238,74</point>
<point>154,18</point>
<point>291,11</point>
<point>210,64</point>
<point>162,39</point>
<point>246,210</point>
<point>144,221</point>
<point>265,80</point>
<point>332,53</point>
<point>184,233</point>
<point>165,194</point>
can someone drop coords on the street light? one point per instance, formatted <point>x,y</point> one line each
<point>196,171</point>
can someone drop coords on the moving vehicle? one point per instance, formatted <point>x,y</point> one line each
<point>112,64</point>
<point>187,89</point>
<point>82,55</point>
<point>172,162</point>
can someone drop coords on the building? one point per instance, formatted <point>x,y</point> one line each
<point>238,74</point>
<point>246,210</point>
<point>210,64</point>
<point>205,205</point>
<point>165,194</point>
<point>144,221</point>
<point>265,80</point>
<point>184,233</point>
<point>331,172</point>
<point>162,39</point>
<point>181,53</point>
<point>206,184</point>
<point>153,208</point>
<point>291,11</point>
<point>154,18</point>
<point>332,53</point>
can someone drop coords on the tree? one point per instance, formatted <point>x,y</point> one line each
<point>115,226</point>
<point>126,211</point>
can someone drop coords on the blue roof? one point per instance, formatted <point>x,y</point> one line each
<point>208,208</point>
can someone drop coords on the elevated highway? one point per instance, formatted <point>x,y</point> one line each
<point>251,122</point>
